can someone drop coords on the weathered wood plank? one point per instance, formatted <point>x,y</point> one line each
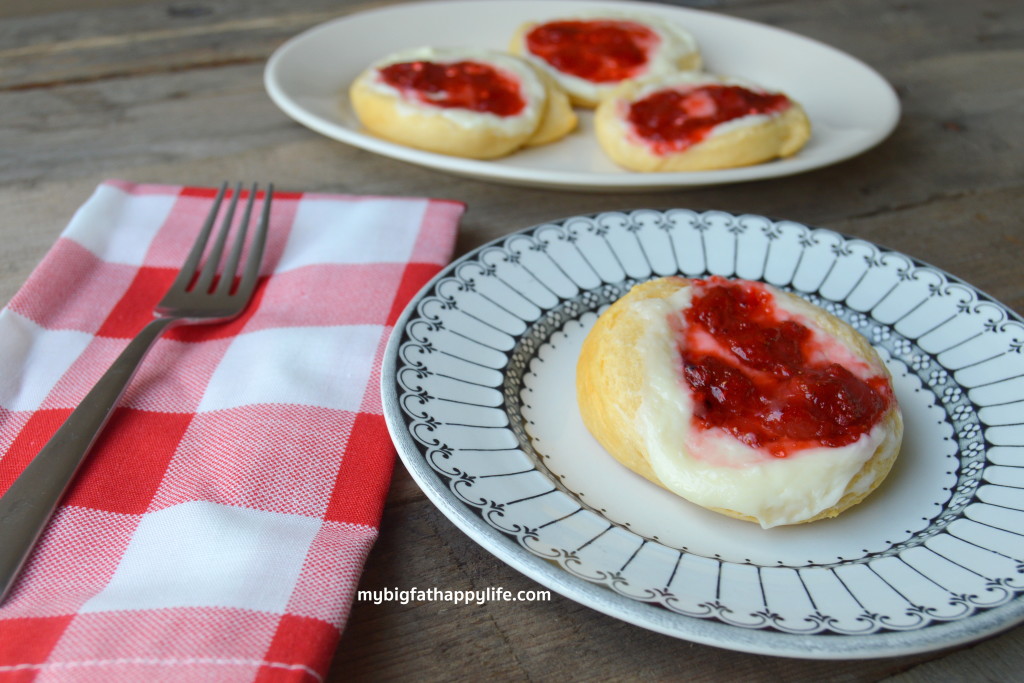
<point>99,124</point>
<point>997,659</point>
<point>158,92</point>
<point>127,39</point>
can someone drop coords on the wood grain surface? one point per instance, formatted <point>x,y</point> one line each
<point>172,92</point>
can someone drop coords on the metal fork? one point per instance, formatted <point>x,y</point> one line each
<point>195,296</point>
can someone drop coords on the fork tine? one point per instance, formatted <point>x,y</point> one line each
<point>188,269</point>
<point>227,278</point>
<point>252,265</point>
<point>213,257</point>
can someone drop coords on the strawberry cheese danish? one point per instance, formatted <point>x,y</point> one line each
<point>471,103</point>
<point>694,122</point>
<point>590,55</point>
<point>741,398</point>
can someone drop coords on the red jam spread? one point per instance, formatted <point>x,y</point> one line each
<point>672,120</point>
<point>765,379</point>
<point>599,50</point>
<point>465,85</point>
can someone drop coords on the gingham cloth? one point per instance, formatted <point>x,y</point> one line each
<point>219,527</point>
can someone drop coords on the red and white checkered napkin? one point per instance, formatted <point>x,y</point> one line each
<point>218,530</point>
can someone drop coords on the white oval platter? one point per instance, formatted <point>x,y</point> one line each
<point>851,107</point>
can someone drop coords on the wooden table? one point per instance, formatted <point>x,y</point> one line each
<point>172,92</point>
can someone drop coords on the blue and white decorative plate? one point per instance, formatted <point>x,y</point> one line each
<point>479,396</point>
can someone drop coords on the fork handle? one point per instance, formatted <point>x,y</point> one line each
<point>30,501</point>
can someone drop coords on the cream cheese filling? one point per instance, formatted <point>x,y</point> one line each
<point>713,469</point>
<point>531,89</point>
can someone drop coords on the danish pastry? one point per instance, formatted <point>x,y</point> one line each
<point>478,104</point>
<point>740,398</point>
<point>591,54</point>
<point>694,122</point>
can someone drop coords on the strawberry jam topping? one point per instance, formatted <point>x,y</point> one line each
<point>672,120</point>
<point>764,377</point>
<point>464,85</point>
<point>600,50</point>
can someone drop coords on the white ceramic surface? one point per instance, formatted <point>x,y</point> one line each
<point>478,390</point>
<point>851,107</point>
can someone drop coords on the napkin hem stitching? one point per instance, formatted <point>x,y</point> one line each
<point>232,661</point>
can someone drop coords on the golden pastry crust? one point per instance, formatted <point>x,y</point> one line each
<point>558,118</point>
<point>679,52</point>
<point>386,114</point>
<point>776,136</point>
<point>610,389</point>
